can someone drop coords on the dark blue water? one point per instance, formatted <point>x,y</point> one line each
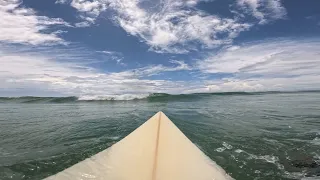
<point>252,136</point>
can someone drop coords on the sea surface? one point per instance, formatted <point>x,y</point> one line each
<point>251,135</point>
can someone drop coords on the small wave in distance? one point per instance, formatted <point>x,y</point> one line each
<point>129,97</point>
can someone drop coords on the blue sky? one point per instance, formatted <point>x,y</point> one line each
<point>130,48</point>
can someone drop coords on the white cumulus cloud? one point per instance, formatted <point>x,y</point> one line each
<point>173,26</point>
<point>178,26</point>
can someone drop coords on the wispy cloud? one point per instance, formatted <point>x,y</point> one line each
<point>156,69</point>
<point>23,25</point>
<point>82,24</point>
<point>314,18</point>
<point>110,52</point>
<point>260,66</point>
<point>263,10</point>
<point>61,1</point>
<point>269,65</point>
<point>89,10</point>
<point>115,56</point>
<point>44,73</point>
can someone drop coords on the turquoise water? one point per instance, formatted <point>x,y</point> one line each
<point>251,135</point>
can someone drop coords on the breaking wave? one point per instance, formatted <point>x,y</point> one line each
<point>127,97</point>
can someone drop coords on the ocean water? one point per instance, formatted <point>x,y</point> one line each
<point>251,135</point>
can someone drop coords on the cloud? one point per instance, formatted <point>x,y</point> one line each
<point>89,10</point>
<point>157,69</point>
<point>171,26</point>
<point>181,65</point>
<point>23,25</point>
<point>270,65</point>
<point>61,1</point>
<point>92,7</point>
<point>314,18</point>
<point>263,10</point>
<point>115,56</point>
<point>259,66</point>
<point>43,73</point>
<point>59,32</point>
<point>112,53</point>
<point>177,26</point>
<point>82,24</point>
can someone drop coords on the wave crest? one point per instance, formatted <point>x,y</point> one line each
<point>154,97</point>
<point>123,97</point>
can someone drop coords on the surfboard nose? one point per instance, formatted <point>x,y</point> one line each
<point>157,150</point>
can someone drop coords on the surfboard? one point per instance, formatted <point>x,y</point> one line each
<point>157,150</point>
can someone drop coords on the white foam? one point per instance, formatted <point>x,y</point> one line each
<point>316,157</point>
<point>239,151</point>
<point>221,149</point>
<point>268,158</point>
<point>226,145</point>
<point>310,178</point>
<point>114,137</point>
<point>316,141</point>
<point>257,172</point>
<point>122,97</point>
<point>294,175</point>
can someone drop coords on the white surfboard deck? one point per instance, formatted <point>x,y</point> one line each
<point>157,150</point>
